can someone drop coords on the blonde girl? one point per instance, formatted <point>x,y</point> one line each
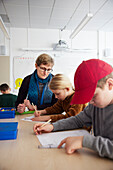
<point>61,86</point>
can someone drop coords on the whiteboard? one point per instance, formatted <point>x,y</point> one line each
<point>22,66</point>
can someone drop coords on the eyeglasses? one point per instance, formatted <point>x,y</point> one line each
<point>44,69</point>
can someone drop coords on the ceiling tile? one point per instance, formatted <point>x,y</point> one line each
<point>41,3</point>
<point>56,14</point>
<point>39,12</point>
<point>2,10</point>
<point>16,2</point>
<point>108,27</point>
<point>59,23</point>
<point>60,13</point>
<point>19,22</point>
<point>17,10</point>
<point>66,4</point>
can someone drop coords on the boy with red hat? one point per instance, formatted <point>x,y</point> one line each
<point>94,84</point>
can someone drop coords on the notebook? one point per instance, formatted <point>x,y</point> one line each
<point>53,139</point>
<point>8,130</point>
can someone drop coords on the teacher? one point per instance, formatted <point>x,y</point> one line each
<point>34,88</point>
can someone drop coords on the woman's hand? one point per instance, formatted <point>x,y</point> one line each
<point>72,143</point>
<point>28,104</point>
<point>41,118</point>
<point>21,108</point>
<point>45,129</point>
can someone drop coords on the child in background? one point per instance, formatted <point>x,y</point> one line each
<point>61,86</point>
<point>6,98</point>
<point>94,82</point>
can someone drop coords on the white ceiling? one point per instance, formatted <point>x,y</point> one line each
<point>57,14</point>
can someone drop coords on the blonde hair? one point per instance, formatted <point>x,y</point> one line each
<point>60,81</point>
<point>102,81</point>
<point>44,59</point>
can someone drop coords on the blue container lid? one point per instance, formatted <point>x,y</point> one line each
<point>8,130</point>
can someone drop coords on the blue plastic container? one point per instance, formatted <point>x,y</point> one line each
<point>8,130</point>
<point>7,113</point>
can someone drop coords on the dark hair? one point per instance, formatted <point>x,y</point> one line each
<point>4,87</point>
<point>44,59</point>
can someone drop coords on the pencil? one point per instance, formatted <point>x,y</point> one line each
<point>34,107</point>
<point>46,123</point>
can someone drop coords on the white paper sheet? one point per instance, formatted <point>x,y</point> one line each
<point>52,140</point>
<point>29,119</point>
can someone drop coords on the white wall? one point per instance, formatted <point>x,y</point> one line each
<point>65,62</point>
<point>106,43</point>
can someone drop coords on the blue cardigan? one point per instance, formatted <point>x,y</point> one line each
<point>23,92</point>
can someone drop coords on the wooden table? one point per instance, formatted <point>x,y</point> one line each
<point>23,153</point>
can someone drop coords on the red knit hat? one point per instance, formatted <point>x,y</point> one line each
<point>86,77</point>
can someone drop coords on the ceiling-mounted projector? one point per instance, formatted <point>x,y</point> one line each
<point>62,45</point>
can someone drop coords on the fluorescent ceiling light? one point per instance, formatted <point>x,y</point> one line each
<point>3,28</point>
<point>81,25</point>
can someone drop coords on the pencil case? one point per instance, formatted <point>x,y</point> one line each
<point>8,112</point>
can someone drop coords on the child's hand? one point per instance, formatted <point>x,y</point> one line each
<point>39,130</point>
<point>72,143</point>
<point>37,113</point>
<point>21,108</point>
<point>41,118</point>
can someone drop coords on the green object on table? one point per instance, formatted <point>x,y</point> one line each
<point>28,112</point>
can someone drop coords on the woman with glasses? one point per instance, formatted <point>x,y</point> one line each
<point>34,88</point>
